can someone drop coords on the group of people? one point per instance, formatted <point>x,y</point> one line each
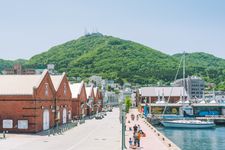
<point>137,134</point>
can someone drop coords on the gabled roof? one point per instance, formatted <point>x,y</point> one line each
<point>76,89</point>
<point>160,91</point>
<point>89,90</point>
<point>20,84</point>
<point>56,80</point>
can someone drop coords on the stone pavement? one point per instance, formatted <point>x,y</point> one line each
<point>92,135</point>
<point>151,141</point>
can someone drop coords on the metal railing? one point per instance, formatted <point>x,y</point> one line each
<point>62,128</point>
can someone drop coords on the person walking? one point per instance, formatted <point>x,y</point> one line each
<point>130,142</point>
<point>135,128</point>
<point>138,128</point>
<point>138,138</point>
<point>135,136</point>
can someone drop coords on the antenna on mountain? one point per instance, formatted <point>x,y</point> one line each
<point>85,31</point>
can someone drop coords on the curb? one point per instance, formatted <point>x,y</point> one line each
<point>163,138</point>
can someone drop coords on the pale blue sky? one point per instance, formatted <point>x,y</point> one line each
<point>28,27</point>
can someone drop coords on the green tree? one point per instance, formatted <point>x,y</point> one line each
<point>128,103</point>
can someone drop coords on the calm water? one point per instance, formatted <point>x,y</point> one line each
<point>197,139</point>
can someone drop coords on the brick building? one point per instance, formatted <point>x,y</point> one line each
<point>63,98</point>
<point>17,69</point>
<point>28,102</point>
<point>98,100</point>
<point>79,100</point>
<point>160,97</point>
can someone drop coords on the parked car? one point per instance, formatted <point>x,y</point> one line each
<point>98,116</point>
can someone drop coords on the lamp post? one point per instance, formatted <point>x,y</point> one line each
<point>89,104</point>
<point>123,109</point>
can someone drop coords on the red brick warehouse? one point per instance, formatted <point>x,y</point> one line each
<point>98,100</point>
<point>79,100</point>
<point>63,98</point>
<point>28,102</point>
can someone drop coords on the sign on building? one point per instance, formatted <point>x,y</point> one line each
<point>22,124</point>
<point>8,123</point>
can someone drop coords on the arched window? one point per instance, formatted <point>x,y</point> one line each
<point>65,90</point>
<point>46,89</point>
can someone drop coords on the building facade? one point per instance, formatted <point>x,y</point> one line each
<point>79,100</point>
<point>29,103</point>
<point>63,99</point>
<point>98,100</point>
<point>195,86</point>
<point>157,98</point>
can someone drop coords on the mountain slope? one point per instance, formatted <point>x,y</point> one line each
<point>109,57</point>
<point>123,60</point>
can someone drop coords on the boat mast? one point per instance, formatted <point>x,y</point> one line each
<point>183,82</point>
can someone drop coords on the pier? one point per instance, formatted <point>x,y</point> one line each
<point>216,119</point>
<point>153,140</point>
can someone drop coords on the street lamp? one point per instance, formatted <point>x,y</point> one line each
<point>123,146</point>
<point>89,104</point>
<point>82,108</point>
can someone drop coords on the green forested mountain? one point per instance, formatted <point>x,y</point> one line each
<point>110,57</point>
<point>123,60</point>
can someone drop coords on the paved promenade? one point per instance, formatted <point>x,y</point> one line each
<point>152,141</point>
<point>92,135</point>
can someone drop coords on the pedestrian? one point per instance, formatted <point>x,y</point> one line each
<point>130,142</point>
<point>135,128</point>
<point>138,138</point>
<point>135,136</point>
<point>138,128</point>
<point>137,117</point>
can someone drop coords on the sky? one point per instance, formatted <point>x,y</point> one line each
<point>29,27</point>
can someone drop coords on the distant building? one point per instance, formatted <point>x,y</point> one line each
<point>162,94</point>
<point>97,80</point>
<point>111,99</point>
<point>17,69</point>
<point>159,97</point>
<point>195,86</point>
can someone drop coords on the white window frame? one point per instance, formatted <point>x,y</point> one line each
<point>22,127</point>
<point>9,123</point>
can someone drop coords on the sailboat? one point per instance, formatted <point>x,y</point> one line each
<point>184,123</point>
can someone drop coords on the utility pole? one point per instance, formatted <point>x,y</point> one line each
<point>123,146</point>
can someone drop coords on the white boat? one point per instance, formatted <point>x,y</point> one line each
<point>197,124</point>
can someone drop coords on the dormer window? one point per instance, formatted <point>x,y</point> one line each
<point>65,89</point>
<point>46,89</point>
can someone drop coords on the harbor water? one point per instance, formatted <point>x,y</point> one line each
<point>196,139</point>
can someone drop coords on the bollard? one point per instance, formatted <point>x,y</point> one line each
<point>53,131</point>
<point>49,132</point>
<point>4,135</point>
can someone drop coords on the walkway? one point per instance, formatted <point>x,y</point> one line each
<point>151,141</point>
<point>92,135</point>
